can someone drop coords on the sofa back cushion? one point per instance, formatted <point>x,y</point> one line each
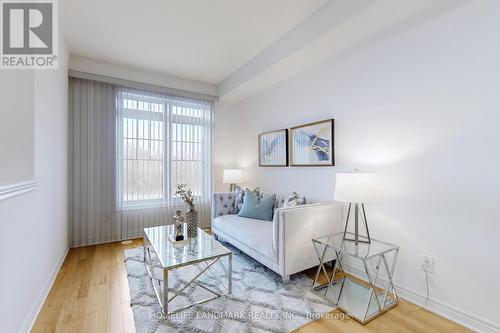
<point>257,208</point>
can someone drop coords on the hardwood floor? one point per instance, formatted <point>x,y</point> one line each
<point>91,294</point>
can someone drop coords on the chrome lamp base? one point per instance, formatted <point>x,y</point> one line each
<point>357,213</point>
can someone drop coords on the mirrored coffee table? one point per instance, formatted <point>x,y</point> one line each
<point>202,250</point>
<point>366,298</point>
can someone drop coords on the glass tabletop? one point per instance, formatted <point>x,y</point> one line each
<point>172,255</point>
<point>362,250</point>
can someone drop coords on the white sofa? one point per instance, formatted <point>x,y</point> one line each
<point>283,245</point>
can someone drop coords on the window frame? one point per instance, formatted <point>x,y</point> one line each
<point>168,118</point>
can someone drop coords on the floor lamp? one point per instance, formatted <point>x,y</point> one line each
<point>357,189</point>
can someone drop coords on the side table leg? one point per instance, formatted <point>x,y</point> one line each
<point>390,274</point>
<point>321,265</point>
<point>230,273</point>
<point>165,292</point>
<point>372,282</point>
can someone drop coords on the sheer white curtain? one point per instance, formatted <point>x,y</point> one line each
<point>130,150</point>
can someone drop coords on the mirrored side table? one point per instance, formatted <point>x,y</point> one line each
<point>362,299</point>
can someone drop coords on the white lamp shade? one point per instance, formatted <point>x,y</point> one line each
<point>232,176</point>
<point>357,187</point>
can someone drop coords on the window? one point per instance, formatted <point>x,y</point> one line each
<point>164,142</point>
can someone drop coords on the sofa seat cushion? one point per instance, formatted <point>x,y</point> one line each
<point>256,234</point>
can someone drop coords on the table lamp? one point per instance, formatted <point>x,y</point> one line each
<point>232,177</point>
<point>357,188</point>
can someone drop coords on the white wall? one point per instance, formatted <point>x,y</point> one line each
<point>33,227</point>
<point>420,107</point>
<point>227,125</point>
<point>16,127</point>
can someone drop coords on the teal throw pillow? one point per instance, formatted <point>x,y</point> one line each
<point>255,208</point>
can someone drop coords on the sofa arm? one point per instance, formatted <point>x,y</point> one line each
<point>294,228</point>
<point>223,204</point>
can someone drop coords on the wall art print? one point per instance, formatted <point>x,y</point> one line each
<point>273,148</point>
<point>313,144</point>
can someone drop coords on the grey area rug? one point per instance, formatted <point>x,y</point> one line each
<point>260,302</point>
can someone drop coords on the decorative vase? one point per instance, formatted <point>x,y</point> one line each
<point>192,222</point>
<point>178,222</point>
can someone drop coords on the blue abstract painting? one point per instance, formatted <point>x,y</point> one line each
<point>312,144</point>
<point>273,148</point>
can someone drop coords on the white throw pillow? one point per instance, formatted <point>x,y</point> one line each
<point>294,200</point>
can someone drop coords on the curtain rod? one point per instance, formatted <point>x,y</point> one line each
<point>141,85</point>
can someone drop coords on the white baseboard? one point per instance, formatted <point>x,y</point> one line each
<point>443,309</point>
<point>90,242</point>
<point>30,321</point>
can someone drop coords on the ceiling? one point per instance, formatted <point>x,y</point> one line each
<point>202,40</point>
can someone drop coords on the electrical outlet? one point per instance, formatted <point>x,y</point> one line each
<point>428,264</point>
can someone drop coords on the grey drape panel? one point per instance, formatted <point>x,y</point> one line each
<point>92,133</point>
<point>128,151</point>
